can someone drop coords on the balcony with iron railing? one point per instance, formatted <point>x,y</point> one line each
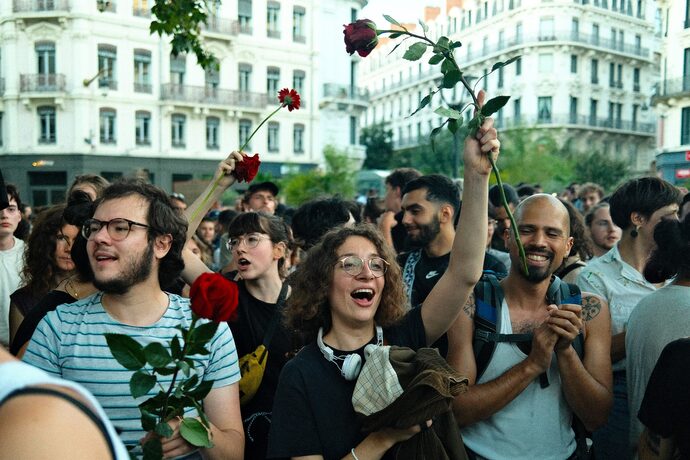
<point>2,86</point>
<point>578,121</point>
<point>40,6</point>
<point>41,82</point>
<point>143,88</point>
<point>208,95</point>
<point>273,33</point>
<point>220,26</point>
<point>344,92</point>
<point>572,37</point>
<point>673,87</point>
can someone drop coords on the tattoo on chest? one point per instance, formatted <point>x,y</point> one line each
<point>591,306</point>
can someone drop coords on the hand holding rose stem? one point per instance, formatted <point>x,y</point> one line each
<point>362,37</point>
<point>234,164</point>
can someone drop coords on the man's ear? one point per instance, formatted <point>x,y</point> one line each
<point>162,245</point>
<point>446,213</point>
<point>569,245</point>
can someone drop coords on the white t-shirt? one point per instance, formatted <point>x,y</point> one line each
<point>11,265</point>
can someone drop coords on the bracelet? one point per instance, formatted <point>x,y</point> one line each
<point>352,452</point>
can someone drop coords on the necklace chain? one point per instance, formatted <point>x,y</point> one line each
<point>69,286</point>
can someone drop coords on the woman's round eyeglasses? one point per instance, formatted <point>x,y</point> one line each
<point>250,241</point>
<point>353,265</point>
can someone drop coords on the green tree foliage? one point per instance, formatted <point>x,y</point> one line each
<point>378,140</point>
<point>443,157</point>
<point>601,169</point>
<point>182,20</point>
<point>337,179</point>
<point>534,156</point>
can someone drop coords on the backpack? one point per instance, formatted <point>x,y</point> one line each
<point>489,297</point>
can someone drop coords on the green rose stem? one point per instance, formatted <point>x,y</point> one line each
<point>177,370</point>
<point>196,212</point>
<point>480,119</point>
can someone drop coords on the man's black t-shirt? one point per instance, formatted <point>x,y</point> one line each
<point>254,317</point>
<point>665,409</point>
<point>429,270</point>
<point>313,413</point>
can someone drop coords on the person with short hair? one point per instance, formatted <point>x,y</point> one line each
<point>636,206</point>
<point>589,195</point>
<point>316,217</point>
<point>502,219</point>
<point>390,221</point>
<point>91,184</point>
<point>179,201</point>
<point>11,258</point>
<point>261,197</point>
<point>602,231</point>
<point>134,244</point>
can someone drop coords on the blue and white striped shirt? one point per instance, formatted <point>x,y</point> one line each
<point>69,343</point>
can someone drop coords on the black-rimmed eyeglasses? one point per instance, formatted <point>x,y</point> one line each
<point>353,265</point>
<point>118,229</point>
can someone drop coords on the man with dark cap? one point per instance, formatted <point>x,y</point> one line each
<point>261,197</point>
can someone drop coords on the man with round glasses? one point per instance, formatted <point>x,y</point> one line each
<point>134,245</point>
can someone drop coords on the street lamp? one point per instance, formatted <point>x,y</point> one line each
<point>87,81</point>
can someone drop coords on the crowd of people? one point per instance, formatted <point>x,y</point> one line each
<point>578,351</point>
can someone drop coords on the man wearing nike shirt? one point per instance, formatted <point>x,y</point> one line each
<point>431,206</point>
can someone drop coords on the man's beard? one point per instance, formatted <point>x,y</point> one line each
<point>537,274</point>
<point>427,233</point>
<point>138,271</point>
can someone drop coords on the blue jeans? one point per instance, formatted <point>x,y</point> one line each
<point>611,440</point>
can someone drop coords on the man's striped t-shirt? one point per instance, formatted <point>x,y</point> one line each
<point>69,343</point>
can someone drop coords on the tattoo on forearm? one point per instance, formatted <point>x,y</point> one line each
<point>591,306</point>
<point>469,307</point>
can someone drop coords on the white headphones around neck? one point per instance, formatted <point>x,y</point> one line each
<point>352,363</point>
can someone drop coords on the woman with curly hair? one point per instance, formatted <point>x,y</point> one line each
<point>47,261</point>
<point>349,293</point>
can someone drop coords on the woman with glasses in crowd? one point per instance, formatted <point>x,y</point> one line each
<point>349,293</point>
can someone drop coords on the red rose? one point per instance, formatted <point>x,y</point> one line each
<point>214,297</point>
<point>246,169</point>
<point>361,36</point>
<point>289,98</point>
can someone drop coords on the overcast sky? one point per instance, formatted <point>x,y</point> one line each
<point>400,10</point>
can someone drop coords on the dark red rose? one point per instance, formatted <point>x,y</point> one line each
<point>361,36</point>
<point>246,169</point>
<point>289,99</point>
<point>214,297</point>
